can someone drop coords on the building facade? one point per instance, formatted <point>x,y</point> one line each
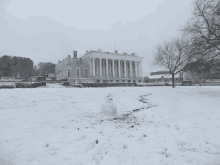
<point>100,67</point>
<point>165,76</point>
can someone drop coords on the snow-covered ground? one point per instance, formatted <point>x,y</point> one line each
<point>155,126</point>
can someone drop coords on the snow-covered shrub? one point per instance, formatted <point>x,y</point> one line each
<point>7,85</point>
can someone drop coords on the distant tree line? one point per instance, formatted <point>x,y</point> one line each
<point>24,67</point>
<point>203,69</point>
<point>12,66</point>
<point>44,68</point>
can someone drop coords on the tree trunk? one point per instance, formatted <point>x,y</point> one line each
<point>200,80</point>
<point>173,80</point>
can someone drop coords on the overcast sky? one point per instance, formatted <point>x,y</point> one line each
<point>48,30</point>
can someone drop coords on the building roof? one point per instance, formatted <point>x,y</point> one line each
<point>157,69</point>
<point>100,51</point>
<point>165,76</point>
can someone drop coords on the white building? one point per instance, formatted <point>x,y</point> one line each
<point>165,76</point>
<point>101,67</point>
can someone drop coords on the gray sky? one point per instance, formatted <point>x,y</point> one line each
<point>48,30</point>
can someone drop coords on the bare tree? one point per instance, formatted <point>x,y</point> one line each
<point>173,55</point>
<point>203,28</point>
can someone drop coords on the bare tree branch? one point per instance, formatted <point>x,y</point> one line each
<point>205,25</point>
<point>173,55</point>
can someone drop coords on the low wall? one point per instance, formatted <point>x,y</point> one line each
<point>107,84</point>
<point>29,84</point>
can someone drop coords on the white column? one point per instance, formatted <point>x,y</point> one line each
<point>106,67</point>
<point>103,67</point>
<point>93,66</point>
<point>119,69</point>
<point>100,68</point>
<point>113,66</point>
<point>90,68</point>
<point>125,67</point>
<point>110,68</point>
<point>130,68</point>
<point>136,73</point>
<point>140,69</point>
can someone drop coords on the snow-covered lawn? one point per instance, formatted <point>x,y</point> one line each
<point>155,126</point>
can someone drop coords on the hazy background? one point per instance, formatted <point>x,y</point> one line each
<point>48,30</point>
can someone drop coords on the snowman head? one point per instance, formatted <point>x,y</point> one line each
<point>109,97</point>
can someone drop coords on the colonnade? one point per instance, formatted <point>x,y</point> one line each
<point>115,68</point>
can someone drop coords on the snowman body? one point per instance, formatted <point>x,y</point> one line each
<point>108,108</point>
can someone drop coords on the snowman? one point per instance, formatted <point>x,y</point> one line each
<point>108,108</point>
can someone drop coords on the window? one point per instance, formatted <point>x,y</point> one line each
<point>68,72</point>
<point>139,81</point>
<point>77,72</point>
<point>86,72</point>
<point>123,80</point>
<point>117,80</point>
